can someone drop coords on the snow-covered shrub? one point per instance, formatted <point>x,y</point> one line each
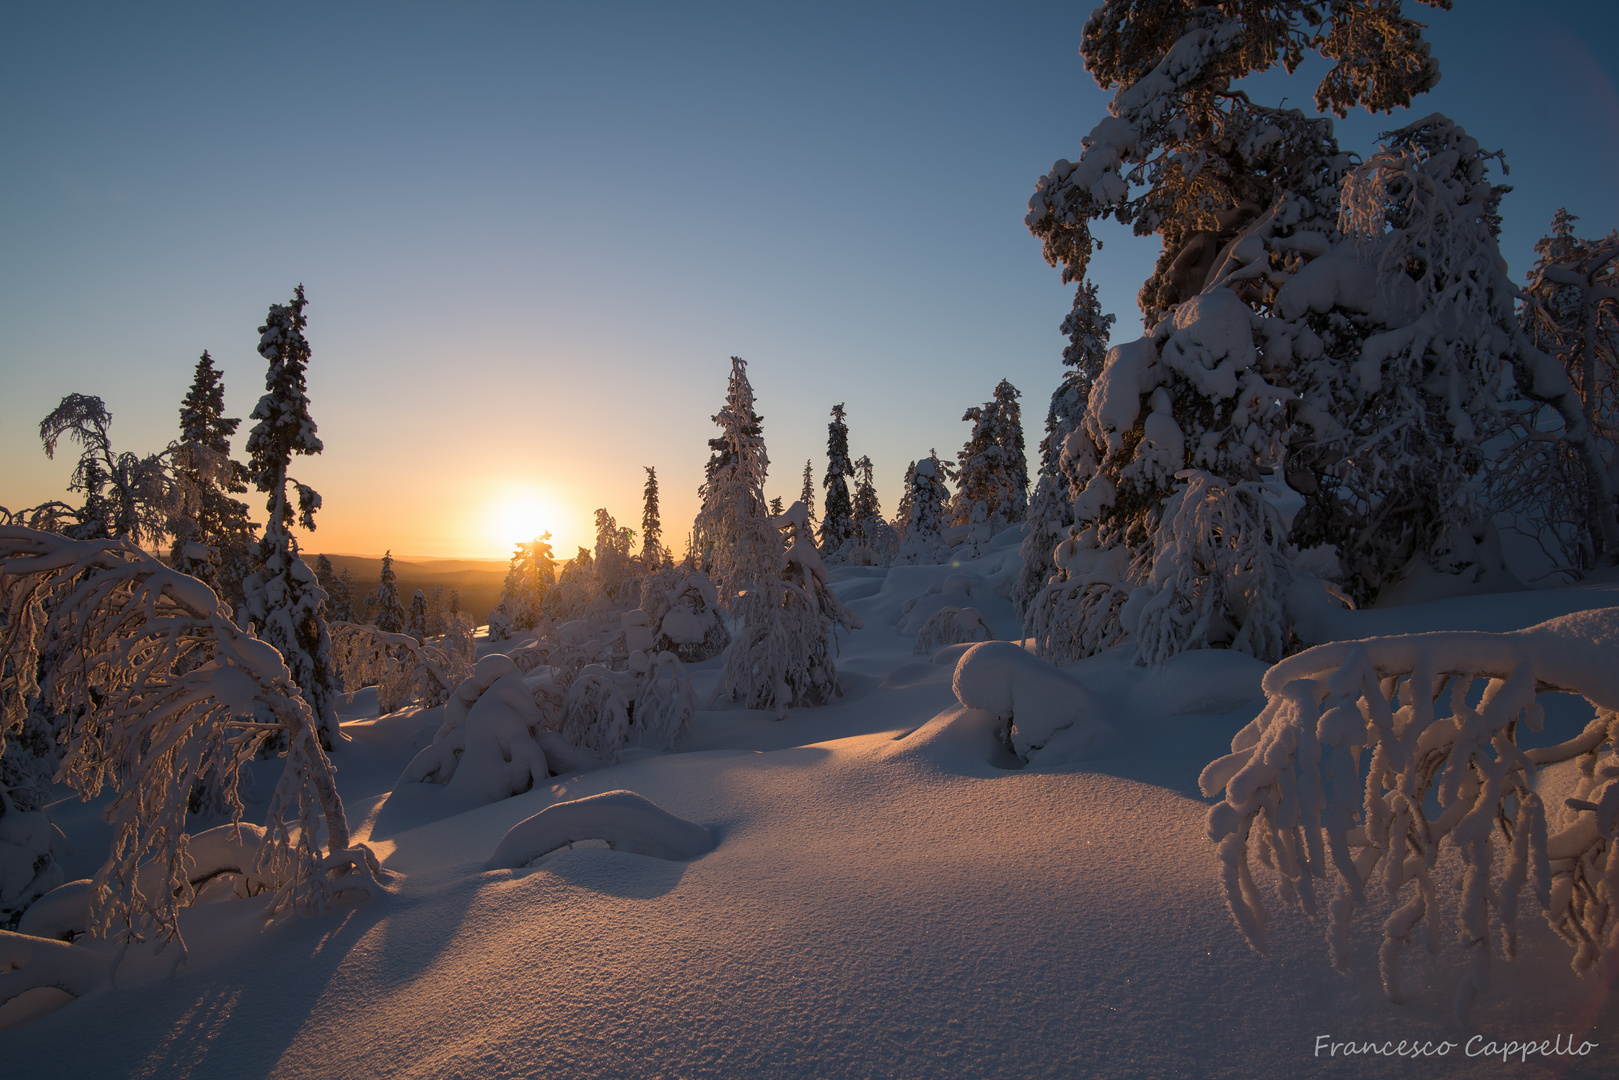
<point>1433,721</point>
<point>683,608</point>
<point>952,626</point>
<point>1034,699</point>
<point>625,820</point>
<point>488,747</point>
<point>163,692</point>
<point>404,670</point>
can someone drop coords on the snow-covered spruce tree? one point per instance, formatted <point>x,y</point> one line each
<point>837,520</point>
<point>165,693</point>
<point>416,618</point>
<point>776,597</point>
<point>927,499</point>
<point>992,487</point>
<point>530,576</point>
<point>283,602</point>
<point>206,473</point>
<point>616,582</point>
<point>124,495</point>
<point>387,613</point>
<point>1552,477</point>
<point>651,526</point>
<point>1050,511</point>
<point>875,536</point>
<point>1180,426</point>
<point>807,495</point>
<point>342,597</point>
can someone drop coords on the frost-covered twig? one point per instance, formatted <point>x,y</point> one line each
<point>1296,797</point>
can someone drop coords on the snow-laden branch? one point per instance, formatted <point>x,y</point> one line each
<point>165,693</point>
<point>1296,797</point>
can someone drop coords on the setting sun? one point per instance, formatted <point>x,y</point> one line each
<point>523,513</point>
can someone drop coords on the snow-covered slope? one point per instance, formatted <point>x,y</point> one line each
<point>882,900</point>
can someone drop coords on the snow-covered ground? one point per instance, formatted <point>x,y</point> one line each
<point>884,898</point>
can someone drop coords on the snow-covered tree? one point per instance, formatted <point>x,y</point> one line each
<point>204,470</point>
<point>651,525</point>
<point>124,494</point>
<point>530,576</point>
<point>416,619</point>
<point>777,598</point>
<point>1363,356</point>
<point>775,505</point>
<point>1050,510</point>
<point>164,693</point>
<point>807,495</point>
<point>387,613</point>
<point>616,581</point>
<point>1182,155</point>
<point>992,489</point>
<point>875,537</point>
<point>926,501</point>
<point>1553,476</point>
<point>837,520</point>
<point>283,602</point>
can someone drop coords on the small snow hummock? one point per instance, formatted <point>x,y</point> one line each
<point>1039,701</point>
<point>625,820</point>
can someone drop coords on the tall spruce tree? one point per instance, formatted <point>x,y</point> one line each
<point>282,600</point>
<point>208,477</point>
<point>651,525</point>
<point>924,506</point>
<point>416,620</point>
<point>837,521</point>
<point>807,495</point>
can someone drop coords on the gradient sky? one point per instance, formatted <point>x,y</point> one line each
<point>532,234</point>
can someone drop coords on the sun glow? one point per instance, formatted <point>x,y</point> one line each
<point>521,514</point>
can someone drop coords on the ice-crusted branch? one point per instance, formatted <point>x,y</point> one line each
<point>1439,716</point>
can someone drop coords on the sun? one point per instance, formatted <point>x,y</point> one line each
<point>521,514</point>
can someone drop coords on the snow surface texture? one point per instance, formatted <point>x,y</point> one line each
<point>884,901</point>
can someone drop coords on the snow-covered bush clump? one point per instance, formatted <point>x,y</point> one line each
<point>404,670</point>
<point>488,747</point>
<point>952,626</point>
<point>684,608</point>
<point>625,820</point>
<point>1434,723</point>
<point>164,694</point>
<point>1036,701</point>
<point>957,590</point>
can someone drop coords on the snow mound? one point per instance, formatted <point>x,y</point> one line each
<point>1038,700</point>
<point>624,820</point>
<point>1201,681</point>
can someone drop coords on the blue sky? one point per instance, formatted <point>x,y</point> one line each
<point>532,235</point>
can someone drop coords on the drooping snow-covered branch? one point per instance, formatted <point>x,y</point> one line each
<point>165,693</point>
<point>1440,715</point>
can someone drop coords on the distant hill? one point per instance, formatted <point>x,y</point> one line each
<point>479,581</point>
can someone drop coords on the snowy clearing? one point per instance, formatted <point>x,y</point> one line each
<point>884,897</point>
